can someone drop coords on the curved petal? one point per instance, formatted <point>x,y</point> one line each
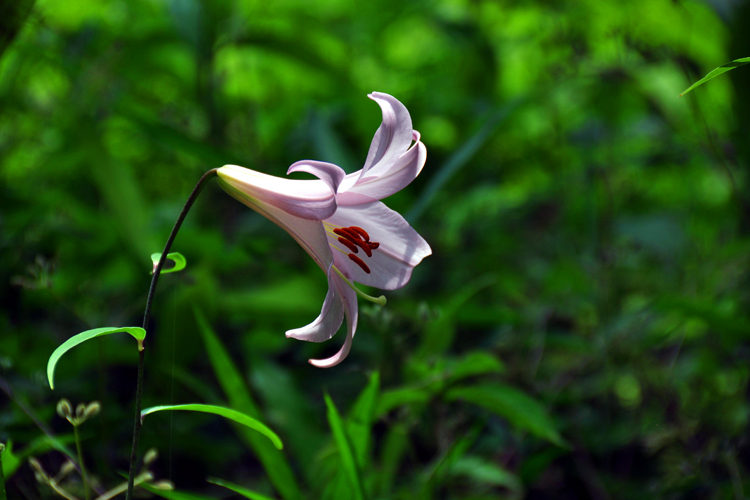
<point>349,301</point>
<point>378,185</point>
<point>327,172</point>
<point>306,199</point>
<point>400,246</point>
<point>327,324</point>
<point>308,233</point>
<point>393,136</point>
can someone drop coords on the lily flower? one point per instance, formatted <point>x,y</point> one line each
<point>339,220</point>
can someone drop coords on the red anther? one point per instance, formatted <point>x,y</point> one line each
<point>348,244</point>
<point>361,231</point>
<point>364,246</point>
<point>359,262</point>
<point>374,245</point>
<point>352,233</point>
<point>346,234</point>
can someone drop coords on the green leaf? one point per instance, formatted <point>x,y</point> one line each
<point>176,257</point>
<point>345,450</point>
<point>274,462</point>
<point>238,489</point>
<point>487,472</point>
<point>718,71</point>
<point>234,415</point>
<point>520,409</point>
<point>361,417</point>
<point>173,494</point>
<point>138,334</point>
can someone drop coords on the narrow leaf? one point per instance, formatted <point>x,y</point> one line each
<point>172,494</point>
<point>179,262</point>
<point>233,385</point>
<point>238,489</point>
<point>520,409</point>
<point>138,334</point>
<point>718,71</point>
<point>359,423</point>
<point>228,413</point>
<point>345,450</point>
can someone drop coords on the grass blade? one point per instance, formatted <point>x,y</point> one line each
<point>345,449</point>
<point>233,385</point>
<point>238,489</point>
<point>718,71</point>
<point>138,334</point>
<point>228,413</point>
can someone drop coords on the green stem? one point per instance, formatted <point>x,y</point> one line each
<point>2,478</point>
<point>80,462</point>
<point>152,289</point>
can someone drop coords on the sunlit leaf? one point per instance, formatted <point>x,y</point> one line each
<point>176,257</point>
<point>228,413</point>
<point>718,71</point>
<point>238,489</point>
<point>138,334</point>
<point>346,453</point>
<point>520,409</point>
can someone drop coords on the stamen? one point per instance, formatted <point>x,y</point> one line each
<point>361,231</point>
<point>348,244</point>
<point>373,245</point>
<point>352,233</point>
<point>342,231</point>
<point>359,262</point>
<point>378,300</point>
<point>364,246</point>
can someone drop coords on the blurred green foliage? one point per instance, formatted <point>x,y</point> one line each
<point>581,330</point>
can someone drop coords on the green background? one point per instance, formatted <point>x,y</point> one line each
<point>582,329</point>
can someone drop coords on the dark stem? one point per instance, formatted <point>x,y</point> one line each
<point>139,385</point>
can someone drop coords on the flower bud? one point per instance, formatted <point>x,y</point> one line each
<point>34,463</point>
<point>64,409</point>
<point>67,468</point>
<point>92,410</point>
<point>80,410</point>
<point>164,485</point>
<point>150,456</point>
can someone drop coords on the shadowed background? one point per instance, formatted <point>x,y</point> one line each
<point>580,331</point>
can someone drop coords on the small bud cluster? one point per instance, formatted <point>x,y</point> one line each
<point>83,411</point>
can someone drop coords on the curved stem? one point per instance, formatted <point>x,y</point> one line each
<point>141,353</point>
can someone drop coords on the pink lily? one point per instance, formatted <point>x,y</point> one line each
<point>339,221</point>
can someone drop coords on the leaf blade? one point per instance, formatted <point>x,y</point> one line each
<point>252,495</point>
<point>221,411</point>
<point>346,453</point>
<point>180,262</point>
<point>137,333</point>
<point>718,71</point>
<point>520,409</point>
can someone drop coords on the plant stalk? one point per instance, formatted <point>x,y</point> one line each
<point>141,353</point>
<point>85,478</point>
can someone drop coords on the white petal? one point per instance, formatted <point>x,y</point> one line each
<point>401,247</point>
<point>306,199</point>
<point>327,172</point>
<point>380,183</point>
<point>327,324</point>
<point>350,309</point>
<point>394,135</point>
